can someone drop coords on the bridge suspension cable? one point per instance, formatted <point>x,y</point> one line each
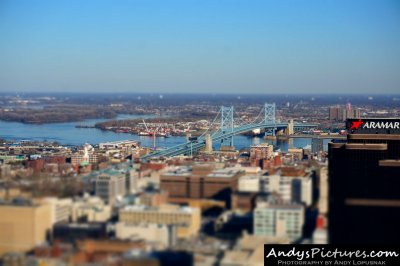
<point>227,130</point>
<point>212,123</point>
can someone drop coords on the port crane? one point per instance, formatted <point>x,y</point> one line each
<point>153,134</point>
<point>145,125</point>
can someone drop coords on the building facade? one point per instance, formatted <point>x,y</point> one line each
<point>364,198</point>
<point>110,186</point>
<point>279,219</point>
<point>341,113</point>
<point>186,220</point>
<point>201,182</point>
<point>22,227</point>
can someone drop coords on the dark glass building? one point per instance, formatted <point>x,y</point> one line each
<point>364,184</point>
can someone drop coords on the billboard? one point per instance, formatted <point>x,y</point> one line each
<point>373,126</point>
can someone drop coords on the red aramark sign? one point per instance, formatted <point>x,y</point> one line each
<point>373,126</point>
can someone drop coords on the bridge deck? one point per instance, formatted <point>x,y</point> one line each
<point>186,148</point>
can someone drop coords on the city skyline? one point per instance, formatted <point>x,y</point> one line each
<point>200,46</point>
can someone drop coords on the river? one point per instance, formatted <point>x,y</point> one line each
<point>68,134</point>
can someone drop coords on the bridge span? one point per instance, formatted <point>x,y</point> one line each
<point>193,146</point>
<point>228,128</point>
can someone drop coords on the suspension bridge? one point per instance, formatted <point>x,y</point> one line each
<point>228,127</point>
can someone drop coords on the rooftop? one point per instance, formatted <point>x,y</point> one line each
<point>166,208</point>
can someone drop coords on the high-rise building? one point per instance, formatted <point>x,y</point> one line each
<point>334,113</point>
<point>353,113</point>
<point>341,113</point>
<point>364,198</point>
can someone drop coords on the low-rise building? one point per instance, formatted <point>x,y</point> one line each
<point>201,181</point>
<point>278,218</point>
<point>90,209</point>
<point>290,188</point>
<point>110,186</point>
<point>185,220</point>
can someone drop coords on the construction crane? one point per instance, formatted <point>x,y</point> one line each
<point>153,134</point>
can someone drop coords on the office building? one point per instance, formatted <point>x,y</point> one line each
<point>60,209</point>
<point>297,188</point>
<point>110,186</point>
<point>23,225</point>
<point>364,198</point>
<point>201,182</point>
<point>277,218</point>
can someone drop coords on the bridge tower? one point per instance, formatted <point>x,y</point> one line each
<point>290,127</point>
<point>269,116</point>
<point>227,122</point>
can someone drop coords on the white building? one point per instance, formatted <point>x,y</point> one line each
<point>110,186</point>
<point>279,219</point>
<point>291,189</point>
<point>90,209</point>
<point>60,209</point>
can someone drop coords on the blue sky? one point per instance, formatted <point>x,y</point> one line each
<point>238,46</point>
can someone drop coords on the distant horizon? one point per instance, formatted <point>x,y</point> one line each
<point>195,93</point>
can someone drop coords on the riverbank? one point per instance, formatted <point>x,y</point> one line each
<point>66,113</point>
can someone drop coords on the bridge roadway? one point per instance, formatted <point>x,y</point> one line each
<point>187,147</point>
